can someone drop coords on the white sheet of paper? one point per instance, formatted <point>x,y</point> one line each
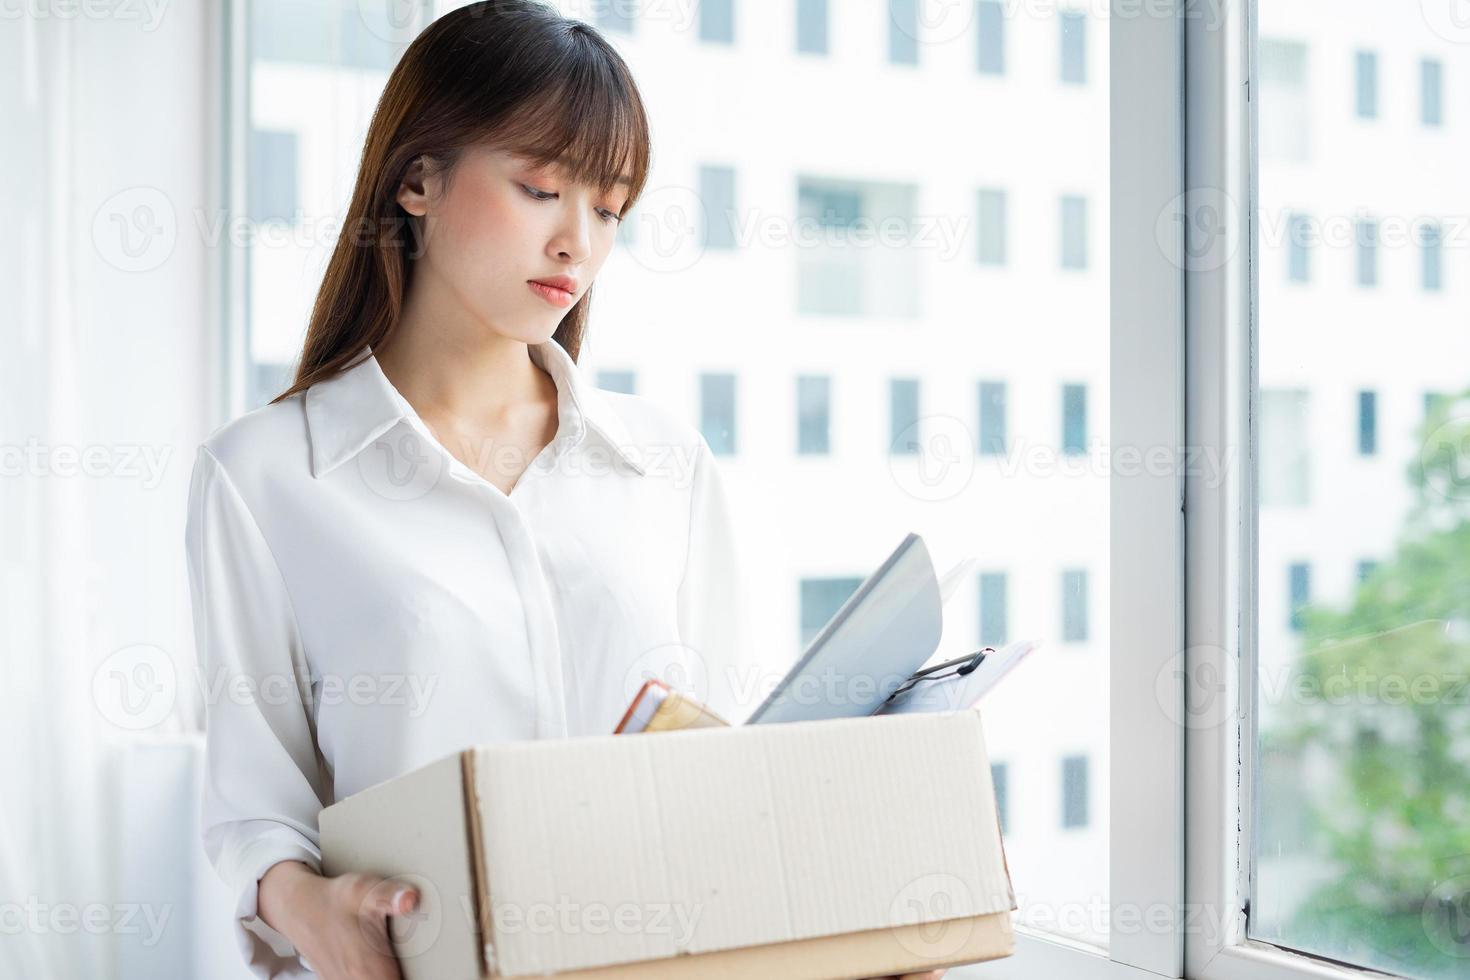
<point>955,692</point>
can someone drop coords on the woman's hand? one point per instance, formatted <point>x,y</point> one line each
<point>339,925</point>
<point>926,975</point>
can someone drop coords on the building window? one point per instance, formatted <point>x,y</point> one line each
<point>717,192</point>
<point>1366,568</point>
<point>1074,232</point>
<point>903,32</point>
<point>717,21</point>
<point>903,416</point>
<point>1074,419</point>
<point>998,774</point>
<point>992,609</point>
<point>1431,83</point>
<point>992,231</point>
<point>992,418</point>
<point>1298,239</point>
<point>1286,106</point>
<point>1367,423</point>
<point>623,381</point>
<point>811,26</point>
<point>1432,400</point>
<point>1074,605</point>
<point>844,272</point>
<point>1074,792</point>
<point>1367,79</point>
<point>1074,46</point>
<point>992,37</point>
<point>813,415</point>
<point>614,15</point>
<point>717,412</point>
<point>1285,462</point>
<point>1431,243</point>
<point>820,600</point>
<point>1365,234</point>
<point>1301,593</point>
<point>271,187</point>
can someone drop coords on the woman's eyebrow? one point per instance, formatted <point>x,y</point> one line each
<point>565,162</point>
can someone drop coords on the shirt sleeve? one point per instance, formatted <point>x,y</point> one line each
<point>710,599</point>
<point>262,783</point>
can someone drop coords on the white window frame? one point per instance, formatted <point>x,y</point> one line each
<point>1184,373</point>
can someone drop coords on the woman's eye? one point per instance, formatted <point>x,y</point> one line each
<point>538,195</point>
<point>608,215</point>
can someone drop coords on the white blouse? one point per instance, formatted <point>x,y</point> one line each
<point>364,603</point>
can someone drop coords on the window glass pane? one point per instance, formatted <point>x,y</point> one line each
<point>814,415</point>
<point>811,26</point>
<point>998,776</point>
<point>993,608</point>
<point>903,32</point>
<point>1074,419</point>
<point>1361,791</point>
<point>717,411</point>
<point>903,415</point>
<point>617,381</point>
<point>1367,76</point>
<point>844,267</point>
<point>1074,792</point>
<point>717,21</point>
<point>1074,606</point>
<point>991,233</point>
<point>1073,25</point>
<point>990,36</point>
<point>820,600</point>
<point>1074,232</point>
<point>1299,238</point>
<point>717,193</point>
<point>992,418</point>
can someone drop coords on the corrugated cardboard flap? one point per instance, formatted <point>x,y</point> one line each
<point>709,839</point>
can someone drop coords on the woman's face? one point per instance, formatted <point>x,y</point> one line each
<point>500,224</point>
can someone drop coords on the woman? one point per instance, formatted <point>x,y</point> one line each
<point>441,535</point>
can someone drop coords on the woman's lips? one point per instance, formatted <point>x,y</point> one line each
<point>556,297</point>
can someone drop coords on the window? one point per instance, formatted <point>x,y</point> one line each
<point>1074,791</point>
<point>614,15</point>
<point>717,412</point>
<point>1074,419</point>
<point>1431,257</point>
<point>820,600</point>
<point>1366,568</point>
<point>811,26</point>
<point>1074,606</point>
<point>617,381</point>
<point>1367,423</point>
<point>998,775</point>
<point>717,21</point>
<point>1286,108</point>
<point>1365,236</point>
<point>903,32</point>
<point>1300,583</point>
<point>992,418</point>
<point>1366,64</point>
<point>272,183</point>
<point>993,609</point>
<point>1431,78</point>
<point>992,227</point>
<point>813,415</point>
<point>990,31</point>
<point>1073,46</point>
<point>717,192</point>
<point>1298,263</point>
<point>1074,232</point>
<point>1285,470</point>
<point>844,266</point>
<point>903,416</point>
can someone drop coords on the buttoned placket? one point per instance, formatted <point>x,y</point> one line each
<point>542,633</point>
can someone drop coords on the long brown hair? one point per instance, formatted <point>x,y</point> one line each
<point>512,72</point>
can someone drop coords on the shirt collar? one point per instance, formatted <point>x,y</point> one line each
<point>348,411</point>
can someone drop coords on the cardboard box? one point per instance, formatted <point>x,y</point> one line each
<point>854,847</point>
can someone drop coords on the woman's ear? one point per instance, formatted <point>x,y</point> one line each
<point>416,187</point>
